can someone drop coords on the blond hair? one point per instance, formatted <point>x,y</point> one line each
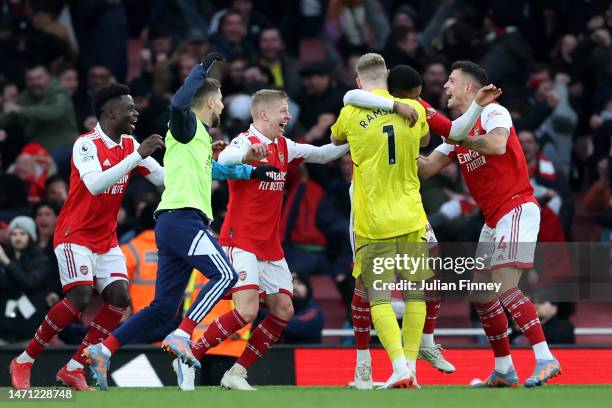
<point>371,67</point>
<point>265,97</point>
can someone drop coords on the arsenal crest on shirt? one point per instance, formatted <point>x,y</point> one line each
<point>281,157</point>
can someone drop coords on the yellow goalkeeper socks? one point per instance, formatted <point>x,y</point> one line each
<point>412,327</point>
<point>387,329</point>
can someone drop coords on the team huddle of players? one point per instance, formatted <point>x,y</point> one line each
<point>384,124</point>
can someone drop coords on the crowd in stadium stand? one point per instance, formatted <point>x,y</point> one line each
<point>552,59</point>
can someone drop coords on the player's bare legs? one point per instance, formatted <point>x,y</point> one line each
<point>247,303</point>
<point>280,305</point>
<point>280,311</point>
<point>247,306</point>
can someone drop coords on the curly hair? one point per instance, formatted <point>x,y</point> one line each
<point>106,94</point>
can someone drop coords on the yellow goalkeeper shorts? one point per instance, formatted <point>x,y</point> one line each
<point>405,256</point>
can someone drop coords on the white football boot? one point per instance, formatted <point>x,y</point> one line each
<point>185,375</point>
<point>235,379</point>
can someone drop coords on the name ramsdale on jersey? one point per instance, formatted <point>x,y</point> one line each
<point>376,113</point>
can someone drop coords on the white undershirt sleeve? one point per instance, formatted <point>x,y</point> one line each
<point>446,149</point>
<point>461,126</point>
<point>316,154</point>
<point>234,152</point>
<point>365,99</point>
<point>97,182</point>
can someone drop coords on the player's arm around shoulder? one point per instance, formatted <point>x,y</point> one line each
<point>410,109</point>
<point>316,154</point>
<point>496,121</point>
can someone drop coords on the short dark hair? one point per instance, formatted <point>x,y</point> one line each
<point>55,179</point>
<point>209,87</point>
<point>403,78</point>
<point>107,93</point>
<point>472,69</point>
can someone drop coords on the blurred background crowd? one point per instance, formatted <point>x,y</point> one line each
<point>552,59</point>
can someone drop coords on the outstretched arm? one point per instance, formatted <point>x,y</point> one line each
<point>370,100</point>
<point>243,172</point>
<point>433,164</point>
<point>238,172</point>
<point>316,154</point>
<point>458,129</point>
<point>182,119</point>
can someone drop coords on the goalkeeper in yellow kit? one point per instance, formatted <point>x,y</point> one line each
<point>389,216</point>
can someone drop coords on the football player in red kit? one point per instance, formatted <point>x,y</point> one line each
<point>85,237</point>
<point>496,174</point>
<point>250,234</point>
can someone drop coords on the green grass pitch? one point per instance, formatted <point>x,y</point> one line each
<point>553,396</point>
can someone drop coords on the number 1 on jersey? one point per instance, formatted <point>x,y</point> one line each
<point>388,129</point>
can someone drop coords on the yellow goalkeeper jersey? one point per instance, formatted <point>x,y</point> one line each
<point>384,149</point>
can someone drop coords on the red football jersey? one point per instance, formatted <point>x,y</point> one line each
<point>253,215</point>
<point>91,220</point>
<point>437,122</point>
<point>252,222</point>
<point>497,183</point>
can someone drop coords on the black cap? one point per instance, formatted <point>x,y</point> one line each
<point>317,68</point>
<point>196,35</point>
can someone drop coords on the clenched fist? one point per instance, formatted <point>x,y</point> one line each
<point>256,152</point>
<point>150,144</point>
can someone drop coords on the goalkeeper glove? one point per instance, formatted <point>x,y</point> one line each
<point>210,59</point>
